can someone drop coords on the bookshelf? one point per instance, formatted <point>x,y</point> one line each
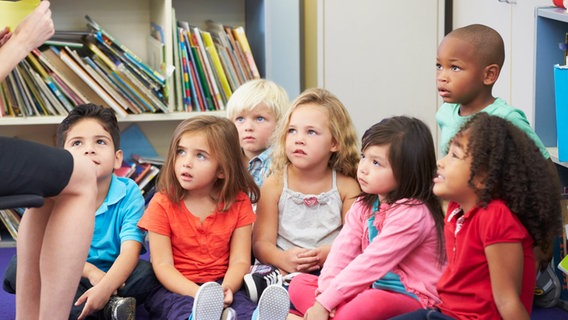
<point>129,22</point>
<point>551,29</point>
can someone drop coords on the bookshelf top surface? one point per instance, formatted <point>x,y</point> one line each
<point>553,13</point>
<point>145,117</point>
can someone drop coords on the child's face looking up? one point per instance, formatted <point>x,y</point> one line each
<point>374,172</point>
<point>309,140</point>
<point>459,75</point>
<point>89,138</point>
<point>451,181</point>
<point>255,128</point>
<point>196,168</point>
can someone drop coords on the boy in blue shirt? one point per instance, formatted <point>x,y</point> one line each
<point>114,279</point>
<point>468,64</point>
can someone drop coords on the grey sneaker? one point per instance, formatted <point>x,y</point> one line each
<point>120,308</point>
<point>208,302</point>
<point>274,303</point>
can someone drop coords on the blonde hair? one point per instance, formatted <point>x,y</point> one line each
<point>346,158</point>
<point>222,137</point>
<point>255,92</point>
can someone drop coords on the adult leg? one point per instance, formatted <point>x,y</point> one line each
<point>53,242</point>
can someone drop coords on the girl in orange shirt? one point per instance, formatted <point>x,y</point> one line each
<point>199,226</point>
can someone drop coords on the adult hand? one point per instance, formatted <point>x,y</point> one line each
<point>36,28</point>
<point>4,35</point>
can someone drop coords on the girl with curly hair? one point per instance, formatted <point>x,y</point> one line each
<point>504,199</point>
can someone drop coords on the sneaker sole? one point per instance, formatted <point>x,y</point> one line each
<point>208,302</point>
<point>250,288</point>
<point>125,309</point>
<point>274,303</point>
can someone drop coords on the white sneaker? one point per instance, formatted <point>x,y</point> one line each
<point>274,303</point>
<point>208,302</point>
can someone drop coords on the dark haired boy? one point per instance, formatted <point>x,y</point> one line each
<point>114,279</point>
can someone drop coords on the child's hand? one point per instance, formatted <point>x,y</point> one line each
<point>228,299</point>
<point>319,253</point>
<point>95,275</point>
<point>317,312</point>
<point>95,299</point>
<point>300,260</point>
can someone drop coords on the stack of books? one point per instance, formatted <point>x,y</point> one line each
<point>144,171</point>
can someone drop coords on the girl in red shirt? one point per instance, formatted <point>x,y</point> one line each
<point>503,200</point>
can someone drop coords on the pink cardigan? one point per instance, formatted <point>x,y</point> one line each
<point>406,245</point>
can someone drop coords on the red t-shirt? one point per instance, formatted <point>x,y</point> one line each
<point>465,286</point>
<point>200,250</point>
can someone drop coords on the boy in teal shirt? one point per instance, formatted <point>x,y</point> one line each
<point>114,279</point>
<point>468,64</point>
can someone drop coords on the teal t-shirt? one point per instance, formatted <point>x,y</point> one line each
<point>450,121</point>
<point>116,221</point>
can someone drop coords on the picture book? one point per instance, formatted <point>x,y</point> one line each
<point>13,12</point>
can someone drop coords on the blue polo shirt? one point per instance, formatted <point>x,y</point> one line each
<point>115,222</point>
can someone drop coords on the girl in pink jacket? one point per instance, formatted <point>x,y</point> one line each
<point>387,258</point>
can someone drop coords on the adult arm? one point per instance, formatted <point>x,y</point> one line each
<point>32,32</point>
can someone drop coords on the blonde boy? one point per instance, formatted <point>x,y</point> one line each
<point>256,108</point>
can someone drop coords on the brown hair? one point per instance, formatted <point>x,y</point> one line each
<point>223,139</point>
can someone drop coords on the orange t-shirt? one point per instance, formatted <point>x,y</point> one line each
<point>200,250</point>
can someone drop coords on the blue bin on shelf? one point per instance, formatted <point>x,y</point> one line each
<point>561,96</point>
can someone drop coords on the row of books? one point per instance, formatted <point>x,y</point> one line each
<point>210,64</point>
<point>77,67</point>
<point>52,80</point>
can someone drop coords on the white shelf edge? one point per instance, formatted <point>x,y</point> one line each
<point>553,13</point>
<point>554,157</point>
<point>146,117</point>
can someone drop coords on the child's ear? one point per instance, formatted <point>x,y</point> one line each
<point>334,146</point>
<point>491,74</point>
<point>220,174</point>
<point>118,156</point>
